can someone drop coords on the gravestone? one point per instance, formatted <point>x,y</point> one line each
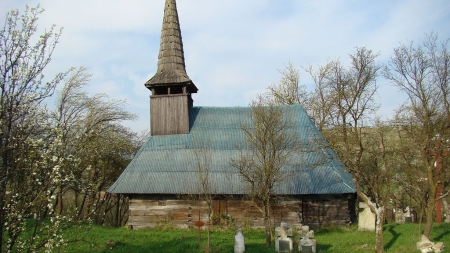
<point>307,242</point>
<point>366,219</point>
<point>284,241</point>
<point>409,215</point>
<point>399,216</point>
<point>239,242</point>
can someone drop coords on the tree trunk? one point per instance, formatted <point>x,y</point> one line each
<point>90,203</point>
<point>208,224</point>
<point>208,230</point>
<point>80,211</point>
<point>59,205</point>
<point>431,205</point>
<point>429,221</point>
<point>118,210</point>
<point>379,244</point>
<point>267,226</point>
<point>379,212</point>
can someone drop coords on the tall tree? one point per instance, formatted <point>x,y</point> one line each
<point>353,90</point>
<point>91,133</point>
<point>270,143</point>
<point>23,58</point>
<point>203,188</point>
<point>342,105</point>
<point>421,71</point>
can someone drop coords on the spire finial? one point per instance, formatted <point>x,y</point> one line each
<point>171,64</point>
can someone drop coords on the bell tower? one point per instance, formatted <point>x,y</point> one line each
<point>171,87</point>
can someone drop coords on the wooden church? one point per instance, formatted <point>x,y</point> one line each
<point>320,190</point>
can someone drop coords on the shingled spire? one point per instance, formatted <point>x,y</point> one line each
<point>171,65</point>
<point>171,101</point>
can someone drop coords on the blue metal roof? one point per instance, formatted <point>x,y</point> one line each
<point>164,164</point>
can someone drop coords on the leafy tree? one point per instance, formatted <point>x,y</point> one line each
<point>27,163</point>
<point>45,154</point>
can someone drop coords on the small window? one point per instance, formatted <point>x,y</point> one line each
<point>162,202</point>
<point>176,90</point>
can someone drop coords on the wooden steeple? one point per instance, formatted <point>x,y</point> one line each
<point>171,87</point>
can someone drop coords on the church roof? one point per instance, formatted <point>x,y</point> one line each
<point>164,164</point>
<point>171,64</point>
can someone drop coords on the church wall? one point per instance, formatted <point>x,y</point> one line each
<point>148,211</point>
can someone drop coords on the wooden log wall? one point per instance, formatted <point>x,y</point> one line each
<point>318,213</point>
<point>151,210</point>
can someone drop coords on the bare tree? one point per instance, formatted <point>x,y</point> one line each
<point>271,140</point>
<point>378,166</point>
<point>288,90</point>
<point>91,133</point>
<point>410,177</point>
<point>422,72</point>
<point>201,188</point>
<point>353,89</point>
<point>342,106</point>
<point>321,101</point>
<point>206,189</point>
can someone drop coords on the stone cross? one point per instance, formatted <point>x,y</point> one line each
<point>284,241</point>
<point>307,242</point>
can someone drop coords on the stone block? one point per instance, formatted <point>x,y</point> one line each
<point>307,245</point>
<point>366,219</point>
<point>284,245</point>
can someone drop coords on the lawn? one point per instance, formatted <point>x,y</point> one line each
<point>397,238</point>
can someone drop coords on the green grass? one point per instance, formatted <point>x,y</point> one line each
<point>397,238</point>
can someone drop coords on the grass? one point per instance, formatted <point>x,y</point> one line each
<point>397,238</point>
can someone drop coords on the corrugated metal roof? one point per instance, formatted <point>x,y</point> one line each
<point>164,164</point>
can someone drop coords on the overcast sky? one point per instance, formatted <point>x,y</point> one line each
<point>233,48</point>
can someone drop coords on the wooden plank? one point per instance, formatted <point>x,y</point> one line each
<point>170,114</point>
<point>146,210</point>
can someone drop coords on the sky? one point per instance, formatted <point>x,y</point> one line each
<point>233,49</point>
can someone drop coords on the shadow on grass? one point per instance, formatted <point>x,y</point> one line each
<point>444,233</point>
<point>187,247</point>
<point>183,247</point>
<point>441,236</point>
<point>322,247</point>
<point>257,247</point>
<point>164,246</point>
<point>395,235</point>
